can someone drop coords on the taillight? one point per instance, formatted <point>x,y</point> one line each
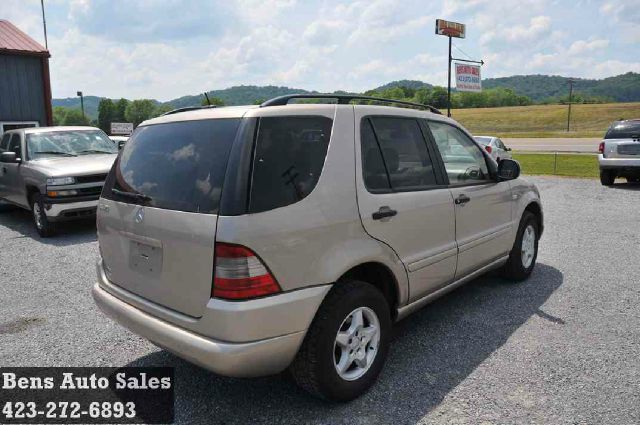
<point>601,147</point>
<point>240,274</point>
<point>488,148</point>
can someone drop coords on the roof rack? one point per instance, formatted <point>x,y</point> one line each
<point>343,99</point>
<point>188,108</point>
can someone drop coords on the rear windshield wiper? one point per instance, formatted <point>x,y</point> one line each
<point>131,195</point>
<point>95,151</point>
<point>55,153</point>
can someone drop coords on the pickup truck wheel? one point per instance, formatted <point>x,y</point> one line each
<point>346,345</point>
<point>524,253</point>
<point>43,226</point>
<point>607,177</point>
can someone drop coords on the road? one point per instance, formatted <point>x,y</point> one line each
<point>560,348</point>
<point>554,144</point>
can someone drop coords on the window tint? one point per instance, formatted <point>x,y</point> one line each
<point>289,156</point>
<point>15,146</point>
<point>624,130</point>
<point>405,154</point>
<point>180,165</point>
<point>462,158</point>
<point>373,168</point>
<point>4,143</point>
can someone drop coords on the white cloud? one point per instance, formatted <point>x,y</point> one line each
<point>583,46</point>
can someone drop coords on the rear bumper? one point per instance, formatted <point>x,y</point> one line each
<point>616,163</point>
<point>250,359</point>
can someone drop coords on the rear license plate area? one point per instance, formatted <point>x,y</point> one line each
<point>145,259</point>
<point>629,149</point>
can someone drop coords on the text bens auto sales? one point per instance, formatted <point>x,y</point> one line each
<point>69,381</point>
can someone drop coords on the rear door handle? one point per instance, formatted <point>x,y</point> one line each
<point>462,199</point>
<point>383,212</point>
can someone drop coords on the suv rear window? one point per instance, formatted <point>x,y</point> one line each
<point>624,130</point>
<point>288,160</point>
<point>179,166</point>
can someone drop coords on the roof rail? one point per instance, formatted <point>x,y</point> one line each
<point>343,99</point>
<point>188,108</point>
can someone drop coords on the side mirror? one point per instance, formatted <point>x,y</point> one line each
<point>508,149</point>
<point>9,157</point>
<point>508,169</point>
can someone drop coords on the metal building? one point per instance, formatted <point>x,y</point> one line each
<point>25,87</point>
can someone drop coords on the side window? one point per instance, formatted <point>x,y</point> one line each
<point>462,158</point>
<point>4,142</point>
<point>404,151</point>
<point>14,145</point>
<point>499,144</point>
<point>373,168</point>
<point>288,160</point>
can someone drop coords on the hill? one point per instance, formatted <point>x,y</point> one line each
<point>621,88</point>
<point>539,88</point>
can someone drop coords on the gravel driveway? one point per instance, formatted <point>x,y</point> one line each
<point>562,347</point>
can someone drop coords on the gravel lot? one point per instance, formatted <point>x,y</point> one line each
<point>561,348</point>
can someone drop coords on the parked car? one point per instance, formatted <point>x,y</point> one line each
<point>619,152</point>
<point>56,172</point>
<point>249,240</point>
<point>119,140</point>
<point>495,147</point>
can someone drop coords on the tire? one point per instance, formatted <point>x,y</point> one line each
<point>43,226</point>
<point>314,368</point>
<point>607,177</point>
<point>519,266</point>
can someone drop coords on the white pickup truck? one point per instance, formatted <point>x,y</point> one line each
<point>620,152</point>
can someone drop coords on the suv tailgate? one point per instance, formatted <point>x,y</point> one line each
<point>158,212</point>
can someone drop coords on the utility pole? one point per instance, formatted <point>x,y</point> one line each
<point>449,82</point>
<point>44,25</point>
<point>81,104</point>
<point>570,99</point>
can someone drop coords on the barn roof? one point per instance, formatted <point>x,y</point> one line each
<point>12,40</point>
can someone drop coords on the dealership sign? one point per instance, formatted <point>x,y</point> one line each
<point>468,78</point>
<point>121,128</point>
<point>450,29</point>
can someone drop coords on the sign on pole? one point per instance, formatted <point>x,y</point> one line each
<point>124,128</point>
<point>468,78</point>
<point>450,29</point>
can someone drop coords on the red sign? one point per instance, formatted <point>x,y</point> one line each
<point>450,29</point>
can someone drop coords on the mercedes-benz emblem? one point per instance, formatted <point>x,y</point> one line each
<point>139,215</point>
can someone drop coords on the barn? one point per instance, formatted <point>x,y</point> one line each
<point>25,87</point>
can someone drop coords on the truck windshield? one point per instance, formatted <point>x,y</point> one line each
<point>69,143</point>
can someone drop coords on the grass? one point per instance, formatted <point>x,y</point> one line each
<point>570,165</point>
<point>545,120</point>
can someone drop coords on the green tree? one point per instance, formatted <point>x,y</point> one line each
<point>214,101</point>
<point>120,110</point>
<point>439,97</point>
<point>161,109</point>
<point>139,110</point>
<point>106,113</point>
<point>68,116</point>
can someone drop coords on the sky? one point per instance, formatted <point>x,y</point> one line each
<point>164,49</point>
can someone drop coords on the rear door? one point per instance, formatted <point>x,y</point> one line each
<point>402,199</point>
<point>482,205</point>
<point>158,212</point>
